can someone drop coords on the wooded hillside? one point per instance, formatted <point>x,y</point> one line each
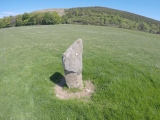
<point>110,17</point>
<point>84,15</point>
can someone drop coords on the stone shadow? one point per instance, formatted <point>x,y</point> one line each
<point>59,79</point>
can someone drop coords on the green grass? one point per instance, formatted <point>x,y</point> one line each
<point>124,66</point>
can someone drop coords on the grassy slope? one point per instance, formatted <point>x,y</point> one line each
<point>60,11</point>
<point>124,65</point>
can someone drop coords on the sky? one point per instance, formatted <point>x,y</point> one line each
<point>148,8</point>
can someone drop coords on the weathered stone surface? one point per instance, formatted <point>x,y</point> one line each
<point>72,63</point>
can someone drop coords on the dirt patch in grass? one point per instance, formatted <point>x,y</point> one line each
<point>66,93</point>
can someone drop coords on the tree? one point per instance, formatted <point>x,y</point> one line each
<point>124,25</point>
<point>7,21</point>
<point>19,21</point>
<point>47,19</point>
<point>64,19</point>
<point>25,16</point>
<point>56,18</point>
<point>38,17</point>
<point>2,24</point>
<point>13,20</point>
<point>51,18</point>
<point>26,19</point>
<point>143,26</point>
<point>32,21</point>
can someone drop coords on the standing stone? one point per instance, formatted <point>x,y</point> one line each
<point>72,63</point>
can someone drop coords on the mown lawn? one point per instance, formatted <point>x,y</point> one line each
<point>124,66</point>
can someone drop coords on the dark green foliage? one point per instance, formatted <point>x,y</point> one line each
<point>51,18</point>
<point>28,20</point>
<point>64,19</point>
<point>38,17</point>
<point>100,16</point>
<point>19,21</point>
<point>5,22</point>
<point>48,19</point>
<point>110,17</point>
<point>2,24</point>
<point>143,26</point>
<point>31,19</point>
<point>57,18</point>
<point>25,16</point>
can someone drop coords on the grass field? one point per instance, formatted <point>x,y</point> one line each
<point>124,66</point>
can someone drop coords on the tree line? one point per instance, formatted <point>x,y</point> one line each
<point>37,18</point>
<point>86,16</point>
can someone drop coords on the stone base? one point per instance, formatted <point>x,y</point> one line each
<point>74,80</point>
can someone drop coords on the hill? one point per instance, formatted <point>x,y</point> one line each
<point>110,17</point>
<point>123,65</point>
<point>60,11</point>
<point>100,16</point>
